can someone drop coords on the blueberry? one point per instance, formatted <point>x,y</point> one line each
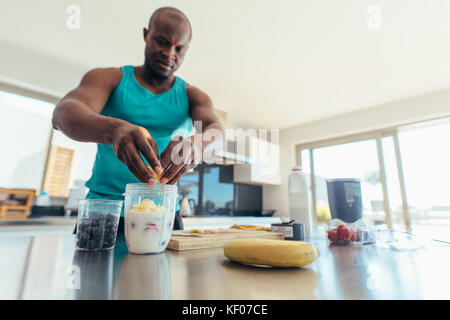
<point>96,231</point>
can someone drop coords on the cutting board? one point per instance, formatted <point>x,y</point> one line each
<point>213,240</point>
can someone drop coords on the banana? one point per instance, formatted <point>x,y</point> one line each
<point>154,173</point>
<point>276,253</point>
<point>249,227</point>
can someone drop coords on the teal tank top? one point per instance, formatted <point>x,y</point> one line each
<point>163,115</point>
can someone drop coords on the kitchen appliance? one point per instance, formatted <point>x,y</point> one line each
<point>344,198</point>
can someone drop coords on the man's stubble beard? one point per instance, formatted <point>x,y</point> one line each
<point>155,74</point>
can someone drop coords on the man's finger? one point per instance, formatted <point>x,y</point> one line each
<point>123,155</point>
<point>166,155</point>
<point>171,172</point>
<point>148,152</point>
<point>129,164</point>
<point>155,147</point>
<point>138,164</point>
<point>137,175</point>
<point>181,173</point>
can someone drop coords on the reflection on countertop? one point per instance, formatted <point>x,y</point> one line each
<point>49,267</point>
<point>144,277</point>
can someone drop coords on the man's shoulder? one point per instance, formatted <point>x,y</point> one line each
<point>114,72</point>
<point>193,91</point>
<point>197,96</point>
<point>109,75</point>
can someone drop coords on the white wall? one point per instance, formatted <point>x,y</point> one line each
<point>34,71</point>
<point>420,108</point>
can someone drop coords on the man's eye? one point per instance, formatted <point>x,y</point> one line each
<point>161,42</point>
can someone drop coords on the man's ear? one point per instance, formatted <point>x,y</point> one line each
<point>145,34</point>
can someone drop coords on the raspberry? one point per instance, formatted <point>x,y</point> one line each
<point>344,233</point>
<point>333,235</point>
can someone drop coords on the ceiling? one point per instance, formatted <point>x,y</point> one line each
<point>267,63</point>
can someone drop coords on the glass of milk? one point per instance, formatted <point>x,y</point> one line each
<point>149,216</point>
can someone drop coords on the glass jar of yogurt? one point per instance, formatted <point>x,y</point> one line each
<point>149,216</point>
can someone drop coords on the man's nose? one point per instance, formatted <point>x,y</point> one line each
<point>170,53</point>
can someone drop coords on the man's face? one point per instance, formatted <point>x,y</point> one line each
<point>167,41</point>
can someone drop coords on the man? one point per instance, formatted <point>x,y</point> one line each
<point>133,111</point>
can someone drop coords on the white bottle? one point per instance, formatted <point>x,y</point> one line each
<point>299,206</point>
<point>43,199</point>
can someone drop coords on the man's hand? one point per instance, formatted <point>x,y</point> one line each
<point>128,142</point>
<point>184,154</point>
<point>180,156</point>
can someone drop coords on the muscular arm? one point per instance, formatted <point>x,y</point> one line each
<point>201,109</point>
<point>78,116</point>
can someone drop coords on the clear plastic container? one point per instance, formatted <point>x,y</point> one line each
<point>149,216</point>
<point>97,225</point>
<point>356,233</point>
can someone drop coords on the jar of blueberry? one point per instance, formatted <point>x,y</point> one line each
<point>98,221</point>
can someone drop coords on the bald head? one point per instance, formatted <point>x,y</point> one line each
<point>169,13</point>
<point>167,40</point>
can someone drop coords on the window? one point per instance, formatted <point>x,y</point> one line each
<point>426,160</point>
<point>209,190</point>
<point>188,187</point>
<point>404,173</point>
<point>218,198</point>
<point>25,130</point>
<point>351,160</point>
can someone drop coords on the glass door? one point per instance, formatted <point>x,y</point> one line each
<point>351,160</point>
<point>426,158</point>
